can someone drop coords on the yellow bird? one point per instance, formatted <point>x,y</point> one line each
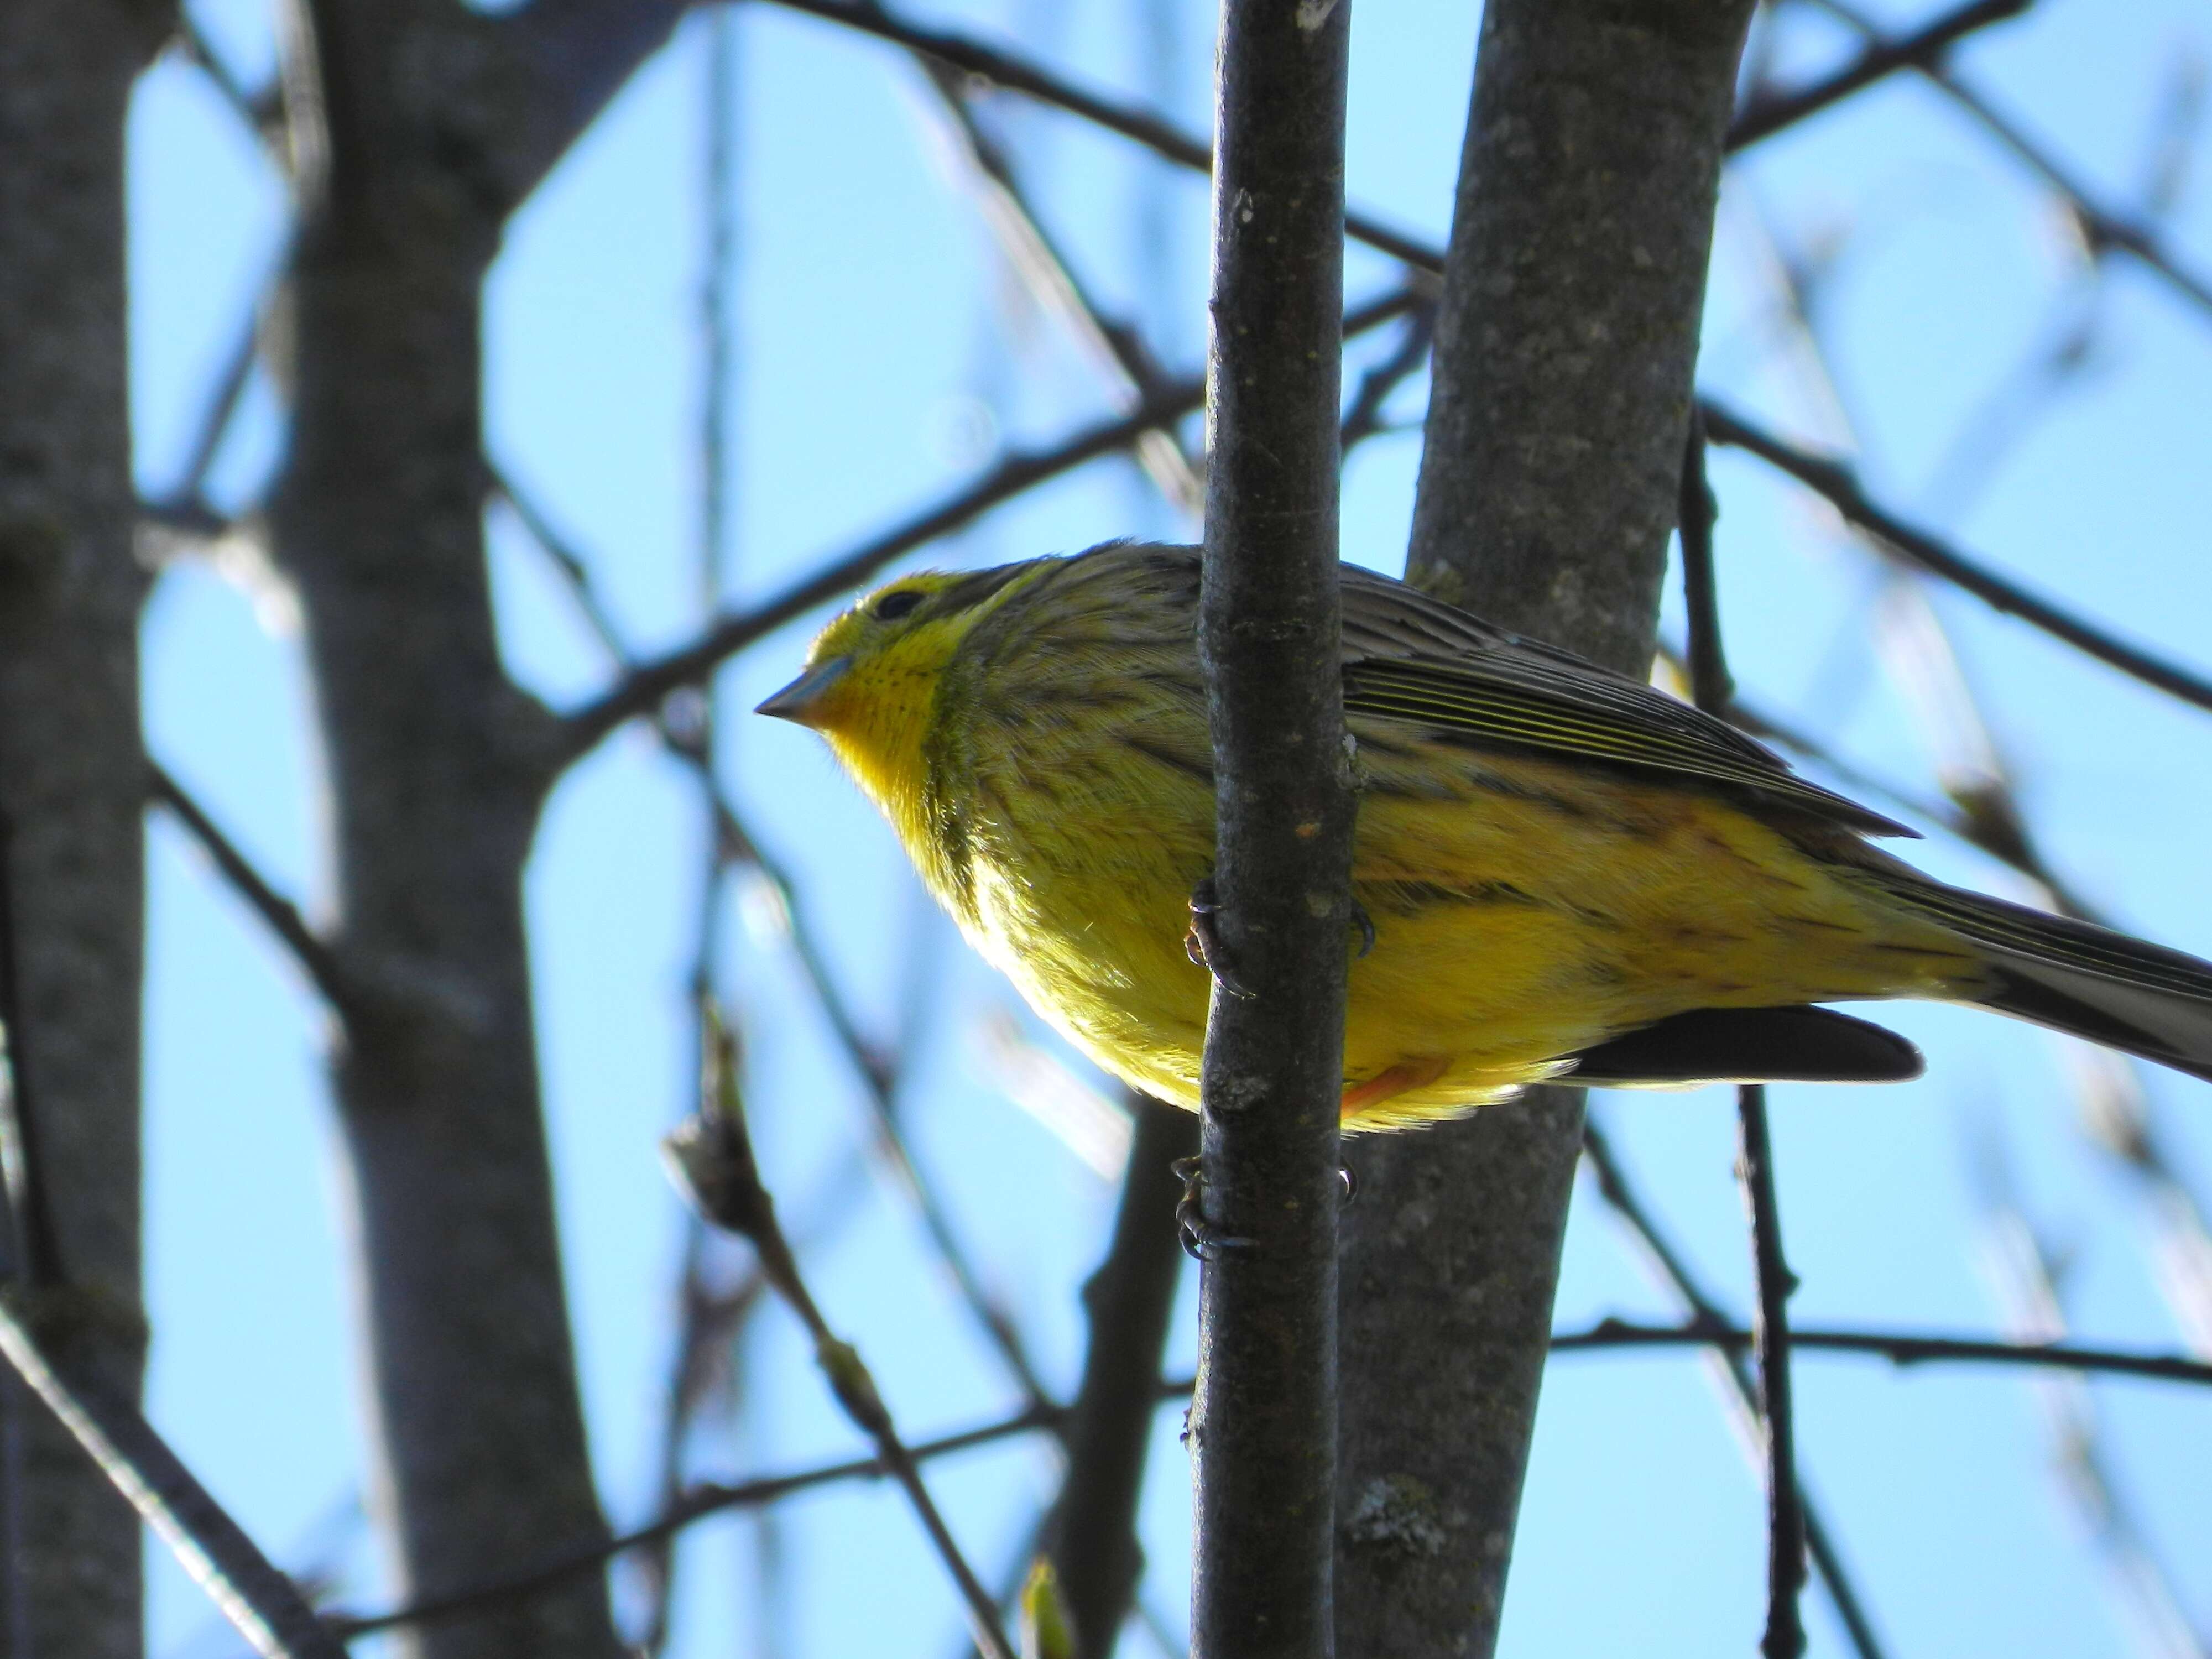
<point>1569,876</point>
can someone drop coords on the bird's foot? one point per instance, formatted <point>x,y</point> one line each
<point>1366,924</point>
<point>1201,1240</point>
<point>1202,943</point>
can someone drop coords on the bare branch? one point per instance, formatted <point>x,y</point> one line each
<point>1017,74</point>
<point>560,1567</point>
<point>1785,1510</point>
<point>1263,1423</point>
<point>732,837</point>
<point>1092,1539</point>
<point>1764,116</point>
<point>1363,418</point>
<point>1784,1637</point>
<point>2028,1270</point>
<point>2104,226</point>
<point>564,60</point>
<point>259,1600</point>
<point>1898,1347</point>
<point>1742,1388</point>
<point>1045,271</point>
<point>1833,481</point>
<point>261,111</point>
<point>1710,688</point>
<point>712,1157</point>
<point>281,917</point>
<point>711,1499</point>
<point>641,690</point>
<point>1003,69</point>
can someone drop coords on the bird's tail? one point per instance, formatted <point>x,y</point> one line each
<point>2141,998</point>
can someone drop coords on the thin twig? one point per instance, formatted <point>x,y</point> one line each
<point>1764,116</point>
<point>1162,138</point>
<point>1052,282</point>
<point>1899,1348</point>
<point>2101,226</point>
<point>1825,478</point>
<point>1784,1637</point>
<point>34,1247</point>
<point>712,1157</point>
<point>703,1371</point>
<point>2112,1105</point>
<point>262,111</point>
<point>1711,687</point>
<point>700,1502</point>
<point>1620,1195</point>
<point>642,689</point>
<point>877,1075</point>
<point>1833,481</point>
<point>281,917</point>
<point>1364,418</point>
<point>2025,1267</point>
<point>710,1498</point>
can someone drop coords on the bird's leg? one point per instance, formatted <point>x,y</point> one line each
<point>1201,1240</point>
<point>1202,943</point>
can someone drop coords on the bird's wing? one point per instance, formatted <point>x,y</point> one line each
<point>1408,657</point>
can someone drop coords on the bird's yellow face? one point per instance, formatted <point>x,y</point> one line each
<point>871,675</point>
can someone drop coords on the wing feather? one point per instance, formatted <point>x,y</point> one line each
<point>1413,659</point>
<point>1410,657</point>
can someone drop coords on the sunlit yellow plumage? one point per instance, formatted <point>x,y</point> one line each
<point>1552,858</point>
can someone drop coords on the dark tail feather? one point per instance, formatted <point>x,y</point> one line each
<point>2141,998</point>
<point>1748,1045</point>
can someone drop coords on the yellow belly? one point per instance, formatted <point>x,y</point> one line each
<point>1522,910</point>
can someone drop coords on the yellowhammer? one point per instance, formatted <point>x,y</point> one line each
<point>1569,876</point>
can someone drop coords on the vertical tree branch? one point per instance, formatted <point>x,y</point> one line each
<point>71,776</point>
<point>1565,339</point>
<point>1092,1541</point>
<point>1742,1392</point>
<point>1785,1510</point>
<point>1786,1520</point>
<point>437,120</point>
<point>1264,1419</point>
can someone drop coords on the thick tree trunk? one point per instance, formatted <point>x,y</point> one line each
<point>437,766</point>
<point>428,124</point>
<point>72,778</point>
<point>1564,348</point>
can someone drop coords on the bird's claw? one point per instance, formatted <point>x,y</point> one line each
<point>1202,943</point>
<point>1201,1240</point>
<point>1367,926</point>
<point>1350,1177</point>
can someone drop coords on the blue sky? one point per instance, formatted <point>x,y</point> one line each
<point>879,362</point>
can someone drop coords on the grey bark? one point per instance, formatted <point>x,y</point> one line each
<point>72,782</point>
<point>436,122</point>
<point>1262,1426</point>
<point>1565,343</point>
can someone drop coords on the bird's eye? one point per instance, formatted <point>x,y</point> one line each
<point>892,606</point>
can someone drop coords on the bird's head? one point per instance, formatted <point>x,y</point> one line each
<point>873,674</point>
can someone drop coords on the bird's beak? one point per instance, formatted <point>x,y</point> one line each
<point>801,701</point>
